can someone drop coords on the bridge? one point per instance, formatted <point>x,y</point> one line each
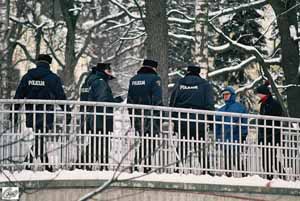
<point>52,135</point>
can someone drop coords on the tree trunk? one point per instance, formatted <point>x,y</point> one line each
<point>67,73</point>
<point>289,51</point>
<point>157,39</point>
<point>200,52</point>
<point>8,74</point>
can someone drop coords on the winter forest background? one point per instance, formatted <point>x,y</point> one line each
<point>236,42</point>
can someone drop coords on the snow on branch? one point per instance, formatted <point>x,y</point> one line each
<point>242,47</point>
<point>242,65</point>
<point>173,11</point>
<point>125,9</point>
<point>249,86</point>
<point>178,20</point>
<point>76,10</point>
<point>288,86</point>
<point>119,25</point>
<point>181,36</point>
<point>255,4</point>
<point>273,61</point>
<point>89,25</point>
<point>221,48</point>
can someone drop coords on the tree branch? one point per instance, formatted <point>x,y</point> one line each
<point>252,50</point>
<point>242,65</point>
<point>255,4</point>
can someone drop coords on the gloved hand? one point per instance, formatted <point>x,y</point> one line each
<point>118,99</point>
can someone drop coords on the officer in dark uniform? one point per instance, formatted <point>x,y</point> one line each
<point>41,83</point>
<point>145,89</point>
<point>193,92</point>
<point>84,94</point>
<point>98,90</point>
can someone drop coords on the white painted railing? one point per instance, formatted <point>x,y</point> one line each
<point>37,134</point>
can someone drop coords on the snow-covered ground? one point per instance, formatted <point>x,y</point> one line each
<point>256,181</point>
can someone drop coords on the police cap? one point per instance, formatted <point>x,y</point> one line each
<point>44,57</point>
<point>194,68</point>
<point>150,63</point>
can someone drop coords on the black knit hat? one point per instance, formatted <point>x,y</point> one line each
<point>45,58</point>
<point>150,63</point>
<point>263,89</point>
<point>193,68</point>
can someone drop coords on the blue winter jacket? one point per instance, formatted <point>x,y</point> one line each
<point>234,107</point>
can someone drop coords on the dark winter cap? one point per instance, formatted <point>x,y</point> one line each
<point>44,57</point>
<point>193,68</point>
<point>263,89</point>
<point>103,66</point>
<point>150,63</point>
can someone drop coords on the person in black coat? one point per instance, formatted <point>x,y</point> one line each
<point>41,83</point>
<point>145,89</point>
<point>271,107</point>
<point>145,86</point>
<point>97,89</point>
<point>192,92</point>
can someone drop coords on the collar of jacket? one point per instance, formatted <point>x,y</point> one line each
<point>101,74</point>
<point>42,64</point>
<point>146,70</point>
<point>266,99</point>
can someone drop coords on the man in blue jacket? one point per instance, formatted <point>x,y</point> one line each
<point>232,129</point>
<point>145,89</point>
<point>228,131</point>
<point>41,83</point>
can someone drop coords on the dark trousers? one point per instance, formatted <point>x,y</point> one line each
<point>145,127</point>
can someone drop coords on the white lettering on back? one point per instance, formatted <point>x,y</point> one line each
<point>36,83</point>
<point>138,83</point>
<point>185,87</point>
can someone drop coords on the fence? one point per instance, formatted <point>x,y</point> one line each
<point>39,134</point>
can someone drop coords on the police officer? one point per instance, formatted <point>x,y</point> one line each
<point>145,86</point>
<point>84,94</point>
<point>193,92</point>
<point>41,83</point>
<point>98,90</point>
<point>145,89</point>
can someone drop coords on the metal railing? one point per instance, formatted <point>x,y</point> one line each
<point>39,134</point>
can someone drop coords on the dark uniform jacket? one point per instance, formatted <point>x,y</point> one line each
<point>40,83</point>
<point>145,88</point>
<point>99,91</point>
<point>270,107</point>
<point>192,92</point>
